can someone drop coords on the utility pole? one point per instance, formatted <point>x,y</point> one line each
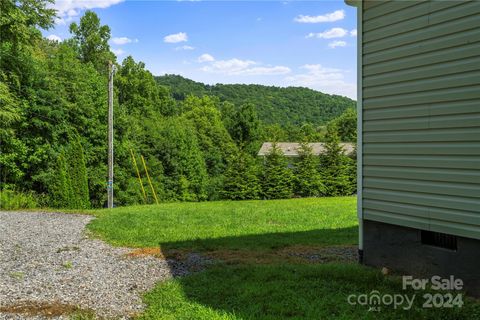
<point>111,71</point>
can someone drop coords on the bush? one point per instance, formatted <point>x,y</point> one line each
<point>12,200</point>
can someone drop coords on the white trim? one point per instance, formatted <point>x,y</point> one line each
<point>360,124</point>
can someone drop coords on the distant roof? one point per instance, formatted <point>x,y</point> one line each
<point>290,149</point>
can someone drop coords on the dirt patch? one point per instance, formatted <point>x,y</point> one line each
<point>49,310</point>
<point>290,254</point>
<point>156,252</point>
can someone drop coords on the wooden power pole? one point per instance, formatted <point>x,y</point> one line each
<point>111,71</point>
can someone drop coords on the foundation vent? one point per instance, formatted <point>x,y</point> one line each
<point>441,240</point>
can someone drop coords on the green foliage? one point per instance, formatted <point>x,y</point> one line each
<point>241,178</point>
<point>20,20</point>
<point>78,176</point>
<point>275,133</point>
<point>334,167</point>
<point>345,126</point>
<point>61,188</point>
<point>12,150</point>
<point>197,140</point>
<point>292,105</point>
<point>352,173</point>
<point>244,127</point>
<point>69,188</point>
<point>278,179</point>
<point>9,111</point>
<point>139,93</point>
<point>174,143</point>
<point>214,141</point>
<point>308,181</point>
<point>13,200</point>
<point>181,87</point>
<point>91,40</point>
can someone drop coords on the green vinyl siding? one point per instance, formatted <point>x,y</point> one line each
<point>421,114</point>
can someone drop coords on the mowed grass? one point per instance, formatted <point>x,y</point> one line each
<point>231,224</point>
<point>289,291</point>
<point>263,282</point>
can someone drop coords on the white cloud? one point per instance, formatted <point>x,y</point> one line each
<point>54,37</point>
<point>123,40</point>
<point>263,71</point>
<point>353,32</point>
<point>329,34</point>
<point>232,66</point>
<point>68,9</point>
<point>62,21</point>
<point>241,67</point>
<point>337,43</point>
<point>328,80</point>
<point>329,17</point>
<point>184,48</point>
<point>175,38</point>
<point>205,58</point>
<point>118,52</point>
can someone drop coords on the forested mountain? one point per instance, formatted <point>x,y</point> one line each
<point>274,105</point>
<point>196,146</point>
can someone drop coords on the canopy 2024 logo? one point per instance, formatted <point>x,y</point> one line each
<point>447,298</point>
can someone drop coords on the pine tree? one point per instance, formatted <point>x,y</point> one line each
<point>61,191</point>
<point>241,180</point>
<point>277,177</point>
<point>352,174</point>
<point>308,181</point>
<point>334,168</point>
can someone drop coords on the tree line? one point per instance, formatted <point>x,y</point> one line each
<point>330,174</point>
<point>287,107</point>
<point>53,98</point>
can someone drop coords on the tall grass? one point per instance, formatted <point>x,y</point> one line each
<point>13,200</point>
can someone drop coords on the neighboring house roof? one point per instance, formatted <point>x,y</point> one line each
<point>290,149</point>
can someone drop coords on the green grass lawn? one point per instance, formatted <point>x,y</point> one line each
<point>252,277</point>
<point>253,225</point>
<point>286,291</point>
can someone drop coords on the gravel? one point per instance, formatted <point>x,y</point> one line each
<point>346,254</point>
<point>47,259</point>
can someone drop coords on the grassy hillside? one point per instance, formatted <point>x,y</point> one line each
<point>285,106</point>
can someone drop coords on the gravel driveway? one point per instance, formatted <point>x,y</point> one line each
<point>47,264</point>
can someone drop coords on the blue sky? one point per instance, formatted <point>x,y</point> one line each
<point>282,43</point>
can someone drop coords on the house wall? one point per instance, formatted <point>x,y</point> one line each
<point>421,115</point>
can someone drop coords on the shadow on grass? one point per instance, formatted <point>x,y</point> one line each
<point>281,288</point>
<point>270,241</point>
